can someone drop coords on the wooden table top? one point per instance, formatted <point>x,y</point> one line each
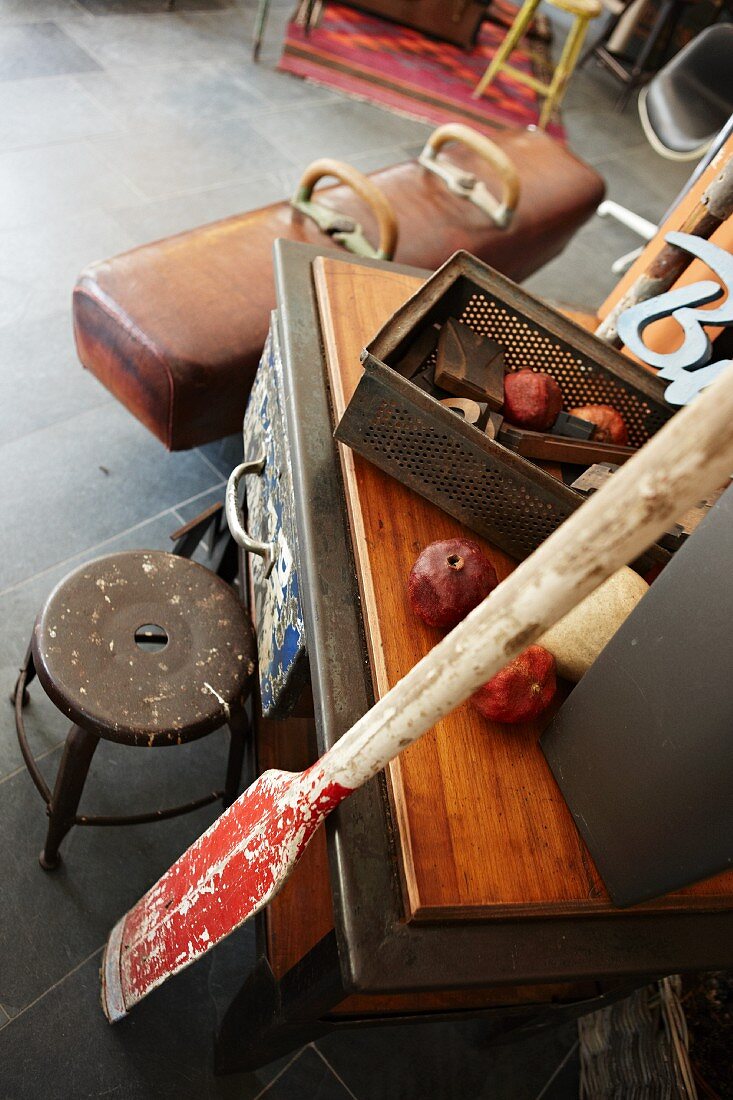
<point>483,829</point>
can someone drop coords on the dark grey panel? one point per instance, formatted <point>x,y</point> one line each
<point>643,747</point>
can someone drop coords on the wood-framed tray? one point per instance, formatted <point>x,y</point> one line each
<point>483,829</point>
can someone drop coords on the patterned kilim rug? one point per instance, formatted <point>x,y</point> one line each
<point>403,70</point>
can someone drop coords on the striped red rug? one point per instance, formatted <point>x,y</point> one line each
<point>406,72</point>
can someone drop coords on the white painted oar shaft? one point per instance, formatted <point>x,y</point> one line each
<point>690,457</point>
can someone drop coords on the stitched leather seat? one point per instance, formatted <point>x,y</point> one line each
<point>175,329</point>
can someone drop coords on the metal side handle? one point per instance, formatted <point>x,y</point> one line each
<point>235,517</point>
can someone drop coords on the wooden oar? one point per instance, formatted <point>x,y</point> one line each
<point>713,208</point>
<point>234,869</point>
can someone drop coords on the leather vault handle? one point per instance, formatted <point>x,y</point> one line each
<point>465,184</point>
<point>342,227</point>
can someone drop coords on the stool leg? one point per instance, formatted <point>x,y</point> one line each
<point>72,774</point>
<point>29,669</point>
<point>636,74</point>
<point>239,736</point>
<point>603,38</point>
<point>515,32</point>
<point>310,8</point>
<point>260,21</point>
<point>564,69</point>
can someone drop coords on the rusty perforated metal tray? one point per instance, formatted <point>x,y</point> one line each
<point>505,498</point>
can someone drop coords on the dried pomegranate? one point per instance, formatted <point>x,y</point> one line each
<point>651,574</point>
<point>448,580</point>
<point>532,399</point>
<point>521,691</point>
<point>610,425</point>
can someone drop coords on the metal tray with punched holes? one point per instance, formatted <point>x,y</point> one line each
<point>505,498</point>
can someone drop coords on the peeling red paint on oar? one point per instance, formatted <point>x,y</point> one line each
<point>229,873</point>
<point>234,869</point>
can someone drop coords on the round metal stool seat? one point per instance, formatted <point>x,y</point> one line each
<point>140,686</point>
<point>143,648</point>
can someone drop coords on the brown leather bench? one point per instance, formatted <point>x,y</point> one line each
<point>174,329</point>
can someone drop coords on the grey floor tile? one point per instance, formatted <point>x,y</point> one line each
<point>47,182</point>
<point>644,181</point>
<point>188,511</point>
<point>413,150</point>
<point>582,274</point>
<point>78,482</point>
<point>19,605</point>
<point>308,1076</point>
<point>609,239</point>
<point>43,261</point>
<point>63,1049</point>
<point>162,217</point>
<point>41,379</point>
<point>596,135</point>
<point>280,89</point>
<point>51,921</point>
<point>223,454</point>
<point>14,299</point>
<point>450,1061</point>
<point>39,49</point>
<point>187,93</point>
<point>374,159</point>
<point>49,109</point>
<point>592,87</point>
<point>338,129</point>
<point>564,1082</point>
<point>163,40</point>
<point>37,11</point>
<point>165,160</point>
<point>579,277</point>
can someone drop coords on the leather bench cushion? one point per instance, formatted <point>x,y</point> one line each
<point>174,329</point>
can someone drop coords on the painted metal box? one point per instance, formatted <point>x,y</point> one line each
<point>278,616</point>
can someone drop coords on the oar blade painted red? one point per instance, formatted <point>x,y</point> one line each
<point>222,880</point>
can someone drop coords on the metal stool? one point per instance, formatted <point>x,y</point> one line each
<point>143,648</point>
<point>584,11</point>
<point>633,74</point>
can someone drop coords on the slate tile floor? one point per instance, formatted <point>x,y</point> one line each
<point>119,123</point>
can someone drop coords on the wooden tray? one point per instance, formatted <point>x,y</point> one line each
<point>483,830</point>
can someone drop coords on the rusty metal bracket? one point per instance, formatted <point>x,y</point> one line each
<point>462,183</point>
<point>466,184</point>
<point>340,227</point>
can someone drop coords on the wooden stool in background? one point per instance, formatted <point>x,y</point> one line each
<point>142,648</point>
<point>584,11</point>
